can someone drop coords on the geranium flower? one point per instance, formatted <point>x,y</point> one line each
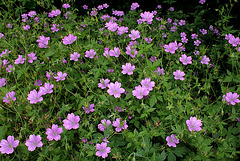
<point>128,69</point>
<point>60,76</point>
<point>9,97</point>
<point>185,60</point>
<point>120,125</point>
<point>33,142</point>
<point>90,54</point>
<point>178,75</point>
<point>194,124</point>
<point>54,133</point>
<point>104,124</point>
<point>140,91</point>
<point>103,150</point>
<point>69,39</point>
<point>89,108</point>
<point>8,145</point>
<point>172,141</point>
<point>115,89</point>
<point>35,96</point>
<point>71,122</point>
<point>103,83</point>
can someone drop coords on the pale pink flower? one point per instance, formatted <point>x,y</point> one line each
<point>185,60</point>
<point>178,75</point>
<point>115,89</point>
<point>103,150</point>
<point>194,124</point>
<point>120,124</point>
<point>69,39</point>
<point>172,141</point>
<point>134,34</point>
<point>33,142</point>
<point>148,84</point>
<point>128,69</point>
<point>205,60</point>
<point>104,124</point>
<point>8,145</point>
<point>54,133</point>
<point>71,122</point>
<point>90,54</point>
<point>140,91</point>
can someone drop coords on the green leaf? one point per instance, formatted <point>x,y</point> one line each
<point>171,157</point>
<point>50,53</point>
<point>153,100</point>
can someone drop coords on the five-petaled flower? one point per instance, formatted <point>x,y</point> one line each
<point>178,75</point>
<point>9,97</point>
<point>69,39</point>
<point>172,141</point>
<point>103,150</point>
<point>115,89</point>
<point>8,145</point>
<point>60,76</point>
<point>194,124</point>
<point>120,124</point>
<point>104,124</point>
<point>71,122</point>
<point>140,91</point>
<point>54,133</point>
<point>33,142</point>
<point>128,69</point>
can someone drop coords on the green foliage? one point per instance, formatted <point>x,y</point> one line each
<point>150,120</point>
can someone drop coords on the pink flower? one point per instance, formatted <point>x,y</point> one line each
<point>197,43</point>
<point>69,39</point>
<point>74,56</point>
<point>43,41</point>
<point>202,1</point>
<point>194,124</point>
<point>66,6</point>
<point>172,47</point>
<point>26,27</point>
<point>194,36</point>
<point>234,41</point>
<point>103,150</point>
<point>232,98</point>
<point>9,68</point>
<point>114,89</point>
<point>120,125</point>
<point>2,82</point>
<point>185,60</point>
<point>85,7</point>
<point>60,76</point>
<point>54,13</point>
<point>122,30</point>
<point>112,26</point>
<point>104,124</point>
<point>131,52</point>
<point>128,69</point>
<point>134,34</point>
<point>35,96</point>
<point>31,57</point>
<point>32,13</point>
<point>134,6</point>
<point>147,16</point>
<point>33,142</point>
<point>172,141</point>
<point>71,122</point>
<point>178,75</point>
<point>89,108</point>
<point>8,145</point>
<point>19,60</point>
<point>115,52</point>
<point>148,84</point>
<point>140,91</point>
<point>9,97</point>
<point>54,28</point>
<point>54,133</point>
<point>205,60</point>
<point>47,88</point>
<point>90,54</point>
<point>148,40</point>
<point>159,71</point>
<point>103,83</point>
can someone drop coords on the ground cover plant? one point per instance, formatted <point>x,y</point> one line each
<point>136,85</point>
